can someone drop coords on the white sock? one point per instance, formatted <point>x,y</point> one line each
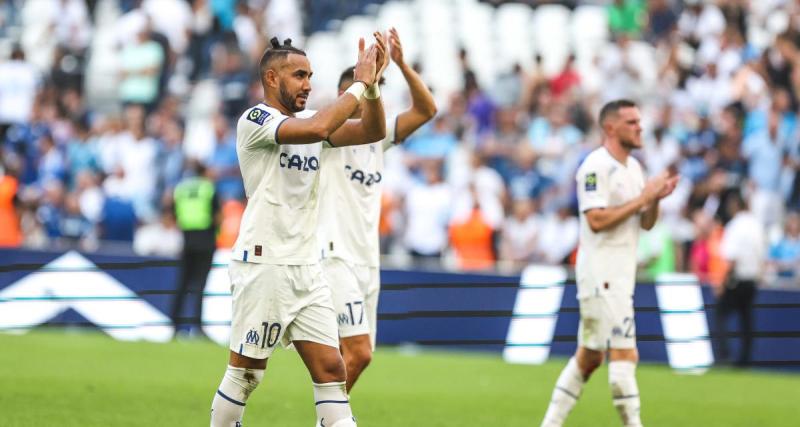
<point>625,391</point>
<point>332,405</point>
<point>565,394</point>
<point>227,407</point>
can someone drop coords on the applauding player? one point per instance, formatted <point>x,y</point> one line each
<point>351,177</point>
<point>615,202</point>
<point>279,294</point>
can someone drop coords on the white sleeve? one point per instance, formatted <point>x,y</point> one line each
<point>391,135</point>
<point>258,128</point>
<point>727,246</point>
<point>593,189</point>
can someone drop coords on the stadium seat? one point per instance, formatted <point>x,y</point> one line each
<point>550,25</point>
<point>513,34</point>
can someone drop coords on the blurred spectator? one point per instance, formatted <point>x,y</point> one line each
<point>427,208</point>
<point>232,212</point>
<point>223,166</point>
<point>51,161</point>
<point>508,88</point>
<point>627,16</point>
<point>656,251</point>
<point>117,219</point>
<point>196,210</point>
<point>765,152</point>
<point>554,140</point>
<point>141,63</point>
<point>567,79</point>
<point>558,237</point>
<point>162,238</point>
<point>19,81</point>
<point>233,79</point>
<point>432,141</point>
<point>137,160</point>
<point>700,21</point>
<point>519,234</point>
<point>10,232</point>
<point>662,20</point>
<point>785,254</point>
<point>744,246</point>
<point>472,229</point>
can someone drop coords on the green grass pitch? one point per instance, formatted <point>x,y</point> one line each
<point>58,378</point>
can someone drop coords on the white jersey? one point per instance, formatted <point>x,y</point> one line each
<point>351,201</point>
<point>282,185</point>
<point>607,259</point>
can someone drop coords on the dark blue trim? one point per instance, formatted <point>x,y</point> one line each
<point>241,348</point>
<point>277,128</point>
<point>332,401</point>
<point>625,397</point>
<point>235,402</point>
<point>244,257</point>
<point>567,392</point>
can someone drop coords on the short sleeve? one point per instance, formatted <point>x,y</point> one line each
<point>593,191</point>
<point>258,128</point>
<point>728,245</point>
<point>391,134</point>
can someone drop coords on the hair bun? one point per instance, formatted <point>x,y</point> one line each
<point>275,43</point>
<point>287,42</point>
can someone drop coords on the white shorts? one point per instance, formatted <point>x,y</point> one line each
<point>355,291</point>
<point>279,303</point>
<point>607,322</point>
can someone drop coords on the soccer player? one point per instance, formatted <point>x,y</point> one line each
<point>615,202</point>
<point>352,177</point>
<point>279,294</point>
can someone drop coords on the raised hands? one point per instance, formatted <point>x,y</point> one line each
<point>395,48</point>
<point>366,66</point>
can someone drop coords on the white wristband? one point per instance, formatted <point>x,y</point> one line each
<point>357,89</point>
<point>373,92</point>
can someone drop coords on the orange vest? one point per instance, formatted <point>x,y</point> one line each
<point>10,233</point>
<point>232,211</point>
<point>472,241</point>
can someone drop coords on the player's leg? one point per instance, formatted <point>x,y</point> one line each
<point>592,341</point>
<point>722,311</point>
<point>257,299</point>
<point>315,334</point>
<point>205,261</point>
<point>241,378</point>
<point>184,279</point>
<point>357,354</point>
<point>327,370</point>
<point>354,312</point>
<point>623,358</point>
<point>624,388</point>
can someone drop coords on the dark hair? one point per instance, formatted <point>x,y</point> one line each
<point>277,51</point>
<point>347,76</point>
<point>612,108</point>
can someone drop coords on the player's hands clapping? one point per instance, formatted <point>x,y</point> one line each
<point>383,55</point>
<point>395,48</point>
<point>660,186</point>
<point>367,65</point>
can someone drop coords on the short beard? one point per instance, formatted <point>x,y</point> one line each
<point>627,144</point>
<point>288,100</point>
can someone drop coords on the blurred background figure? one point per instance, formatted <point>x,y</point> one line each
<point>744,248</point>
<point>196,211</point>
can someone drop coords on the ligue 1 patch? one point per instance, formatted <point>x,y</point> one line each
<point>591,182</point>
<point>257,116</point>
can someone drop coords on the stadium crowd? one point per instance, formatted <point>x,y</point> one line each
<point>488,183</point>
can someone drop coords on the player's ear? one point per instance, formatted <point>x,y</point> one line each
<point>271,78</point>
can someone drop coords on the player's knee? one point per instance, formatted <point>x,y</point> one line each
<point>247,379</point>
<point>360,357</point>
<point>589,361</point>
<point>331,369</point>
